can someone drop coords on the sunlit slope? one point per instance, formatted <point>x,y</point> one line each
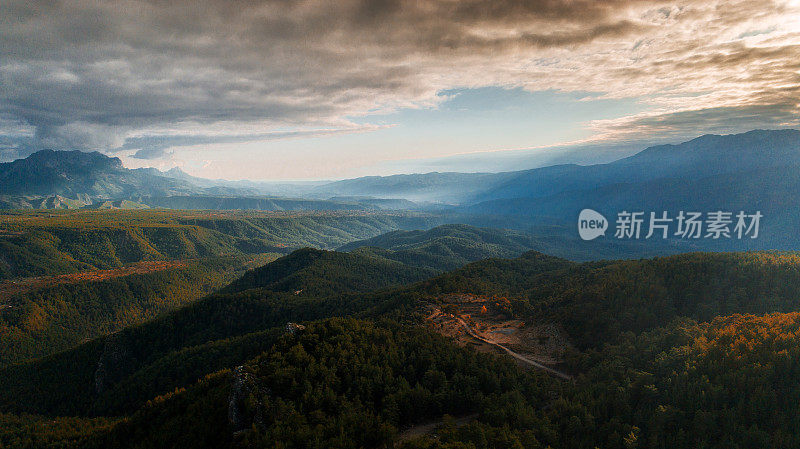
<point>35,243</point>
<point>46,315</point>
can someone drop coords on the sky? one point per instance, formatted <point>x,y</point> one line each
<point>279,90</point>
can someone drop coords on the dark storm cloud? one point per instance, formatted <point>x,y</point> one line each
<point>116,75</point>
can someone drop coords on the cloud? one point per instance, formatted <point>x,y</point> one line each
<point>156,146</point>
<point>79,135</point>
<point>151,153</point>
<point>125,75</point>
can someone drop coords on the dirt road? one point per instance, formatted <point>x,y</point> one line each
<point>516,355</point>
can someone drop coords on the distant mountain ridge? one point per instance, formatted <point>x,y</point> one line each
<point>49,172</point>
<point>703,157</point>
<point>74,173</point>
<point>434,186</point>
<point>753,170</point>
<point>51,179</point>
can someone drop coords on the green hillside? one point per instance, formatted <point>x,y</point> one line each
<point>658,353</point>
<point>348,383</point>
<point>338,383</point>
<point>312,272</point>
<point>598,301</point>
<point>58,242</point>
<point>731,383</point>
<point>445,247</point>
<point>69,383</point>
<point>49,317</point>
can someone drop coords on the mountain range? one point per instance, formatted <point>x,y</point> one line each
<point>77,173</point>
<point>369,325</point>
<point>704,157</point>
<point>757,171</point>
<point>73,173</point>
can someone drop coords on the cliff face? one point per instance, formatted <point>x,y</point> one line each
<point>242,413</point>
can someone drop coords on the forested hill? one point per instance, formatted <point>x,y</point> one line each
<point>59,242</point>
<point>212,333</point>
<point>45,315</point>
<point>446,247</point>
<point>658,354</point>
<point>312,272</point>
<point>599,301</point>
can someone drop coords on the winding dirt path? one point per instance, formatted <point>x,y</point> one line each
<point>520,357</point>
